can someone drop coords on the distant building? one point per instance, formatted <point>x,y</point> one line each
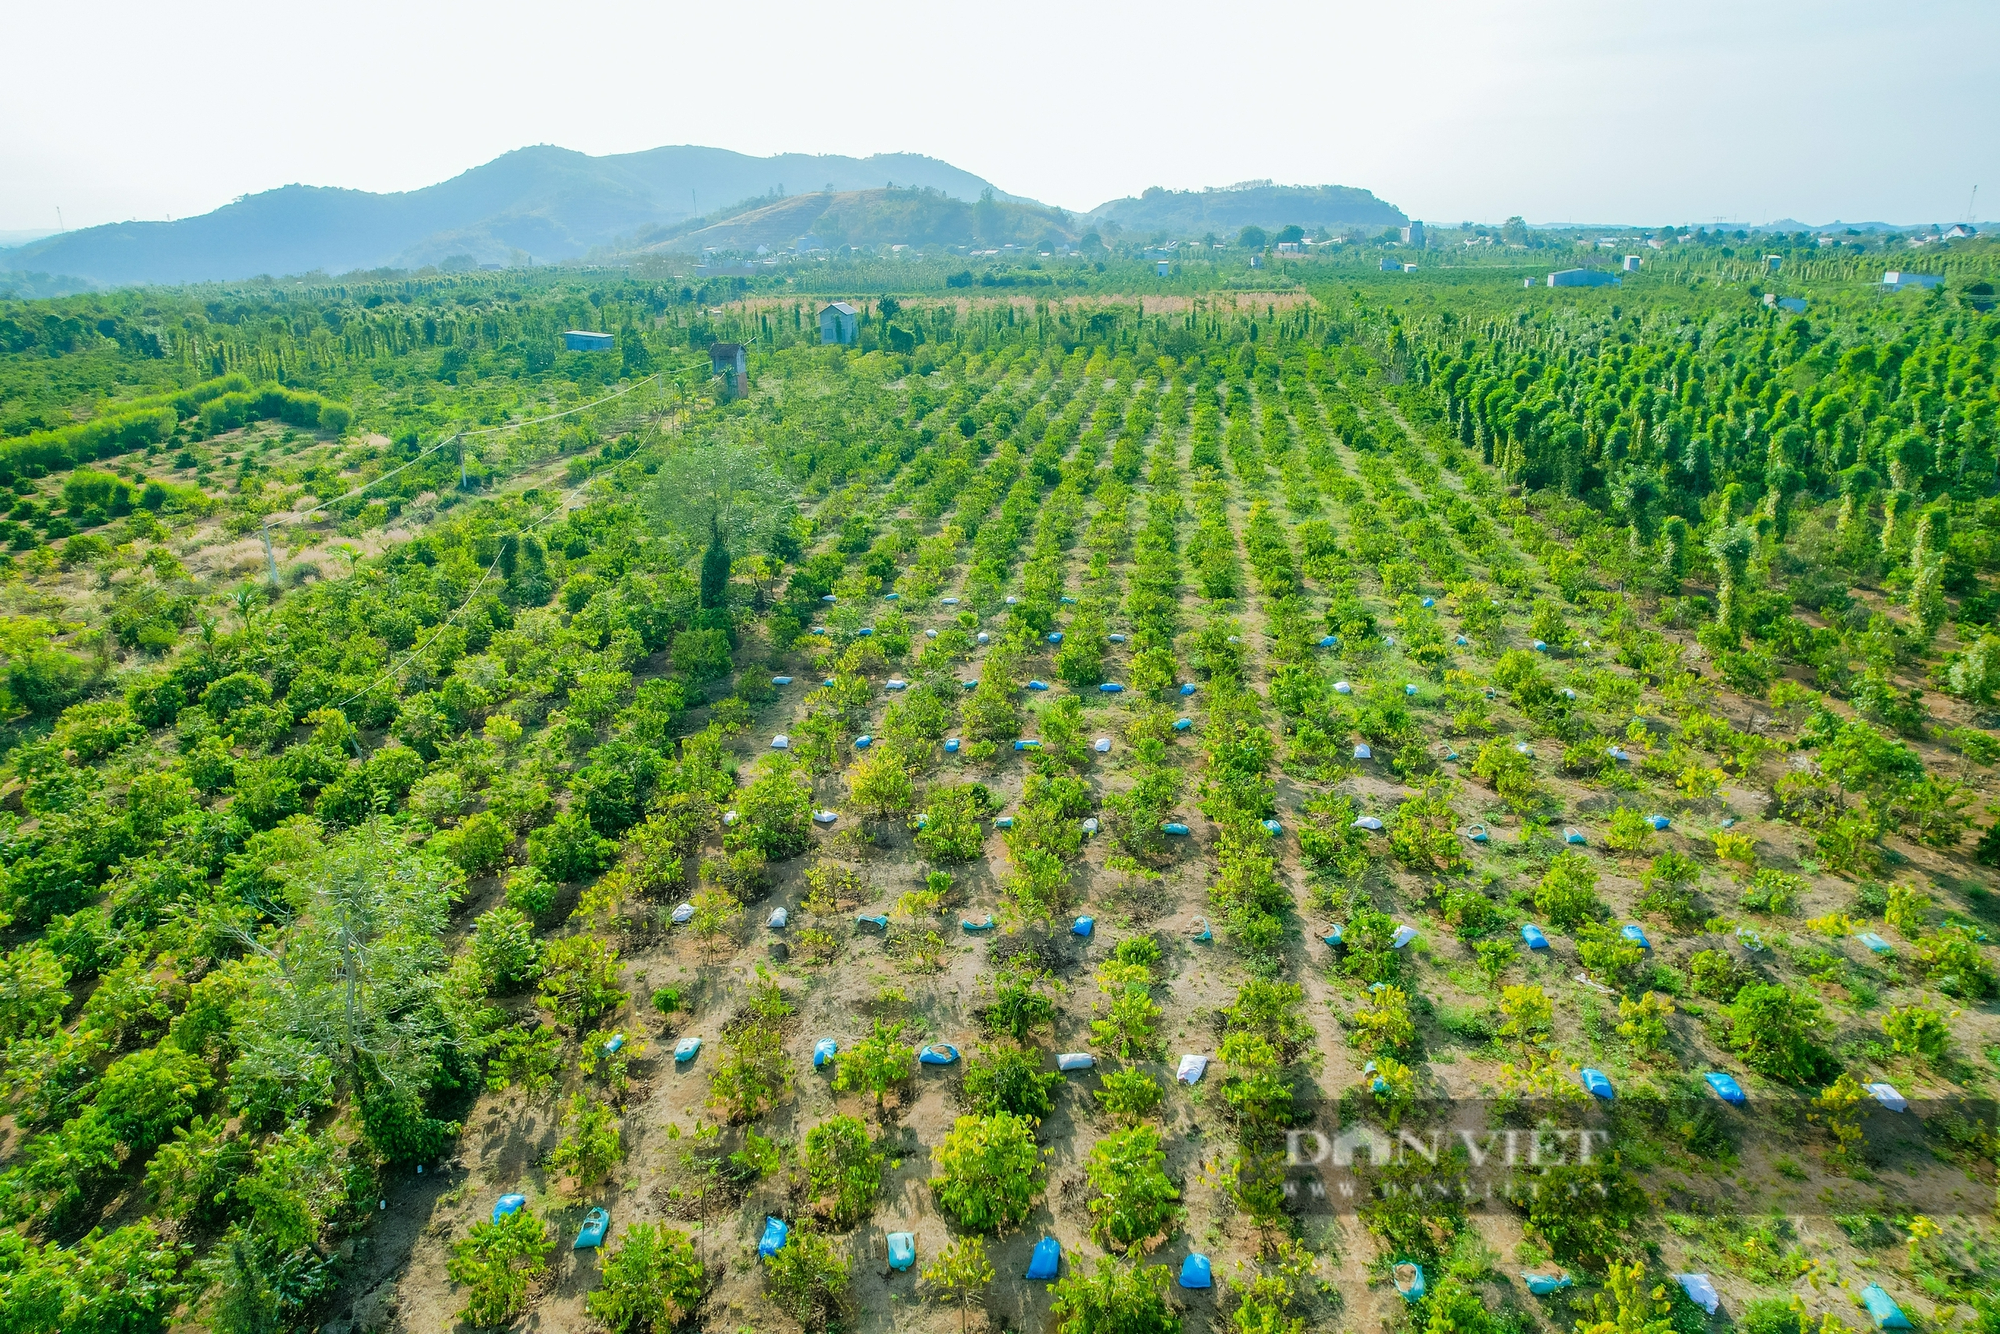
<point>1583,278</point>
<point>1409,268</point>
<point>1414,234</point>
<point>582,340</point>
<point>1772,263</point>
<point>1791,305</point>
<point>1958,231</point>
<point>732,364</point>
<point>1291,247</point>
<point>1163,267</point>
<point>1631,263</point>
<point>1392,266</point>
<point>1256,261</point>
<point>1896,280</point>
<point>839,323</point>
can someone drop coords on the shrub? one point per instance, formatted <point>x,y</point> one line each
<point>877,1063</point>
<point>1385,1024</point>
<point>1643,1022</point>
<point>1667,889</point>
<point>580,979</point>
<point>503,946</point>
<point>952,830</point>
<point>880,785</point>
<point>1917,1030</point>
<point>144,1096</point>
<point>567,849</point>
<point>651,1283</point>
<point>843,1170</point>
<point>530,892</point>
<point>1584,1213</point>
<point>1021,1003</point>
<point>701,655</point>
<point>1773,1029</point>
<point>498,1262</point>
<point>807,1280</point>
<point>1567,895</point>
<point>479,845</point>
<point>960,1271</point>
<point>775,811</point>
<point>1009,1080</point>
<point>1527,1013</point>
<point>1604,951</point>
<point>1507,772</point>
<point>1717,976</point>
<point>1629,831</point>
<point>753,1074</point>
<point>1128,1095</point>
<point>715,911</point>
<point>1133,1204</point>
<point>1114,1298</point>
<point>591,1146</point>
<point>1955,963</point>
<point>989,1171</point>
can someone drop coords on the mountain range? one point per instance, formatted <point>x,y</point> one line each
<point>533,205</point>
<point>546,204</point>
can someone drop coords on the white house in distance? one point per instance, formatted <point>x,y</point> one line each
<point>1414,234</point>
<point>839,323</point>
<point>1631,263</point>
<point>1896,280</point>
<point>1790,304</point>
<point>1583,278</point>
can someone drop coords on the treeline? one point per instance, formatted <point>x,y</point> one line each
<point>221,404</point>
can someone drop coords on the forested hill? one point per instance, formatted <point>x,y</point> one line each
<point>918,217</point>
<point>542,203</point>
<point>1261,205</point>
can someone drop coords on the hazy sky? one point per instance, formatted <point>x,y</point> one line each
<point>1566,110</point>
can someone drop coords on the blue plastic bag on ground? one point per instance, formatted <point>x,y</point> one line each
<point>1544,1284</point>
<point>1726,1087</point>
<point>1882,1308</point>
<point>1700,1291</point>
<point>1075,1060</point>
<point>776,1234</point>
<point>823,1051</point>
<point>508,1204</point>
<point>1046,1263</point>
<point>1534,937</point>
<point>591,1235</point>
<point>1195,1272</point>
<point>1084,926</point>
<point>902,1249</point>
<point>1598,1084</point>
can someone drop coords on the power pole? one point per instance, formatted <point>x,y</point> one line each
<point>270,557</point>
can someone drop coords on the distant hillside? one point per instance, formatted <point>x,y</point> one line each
<point>1195,212</point>
<point>916,217</point>
<point>534,204</point>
